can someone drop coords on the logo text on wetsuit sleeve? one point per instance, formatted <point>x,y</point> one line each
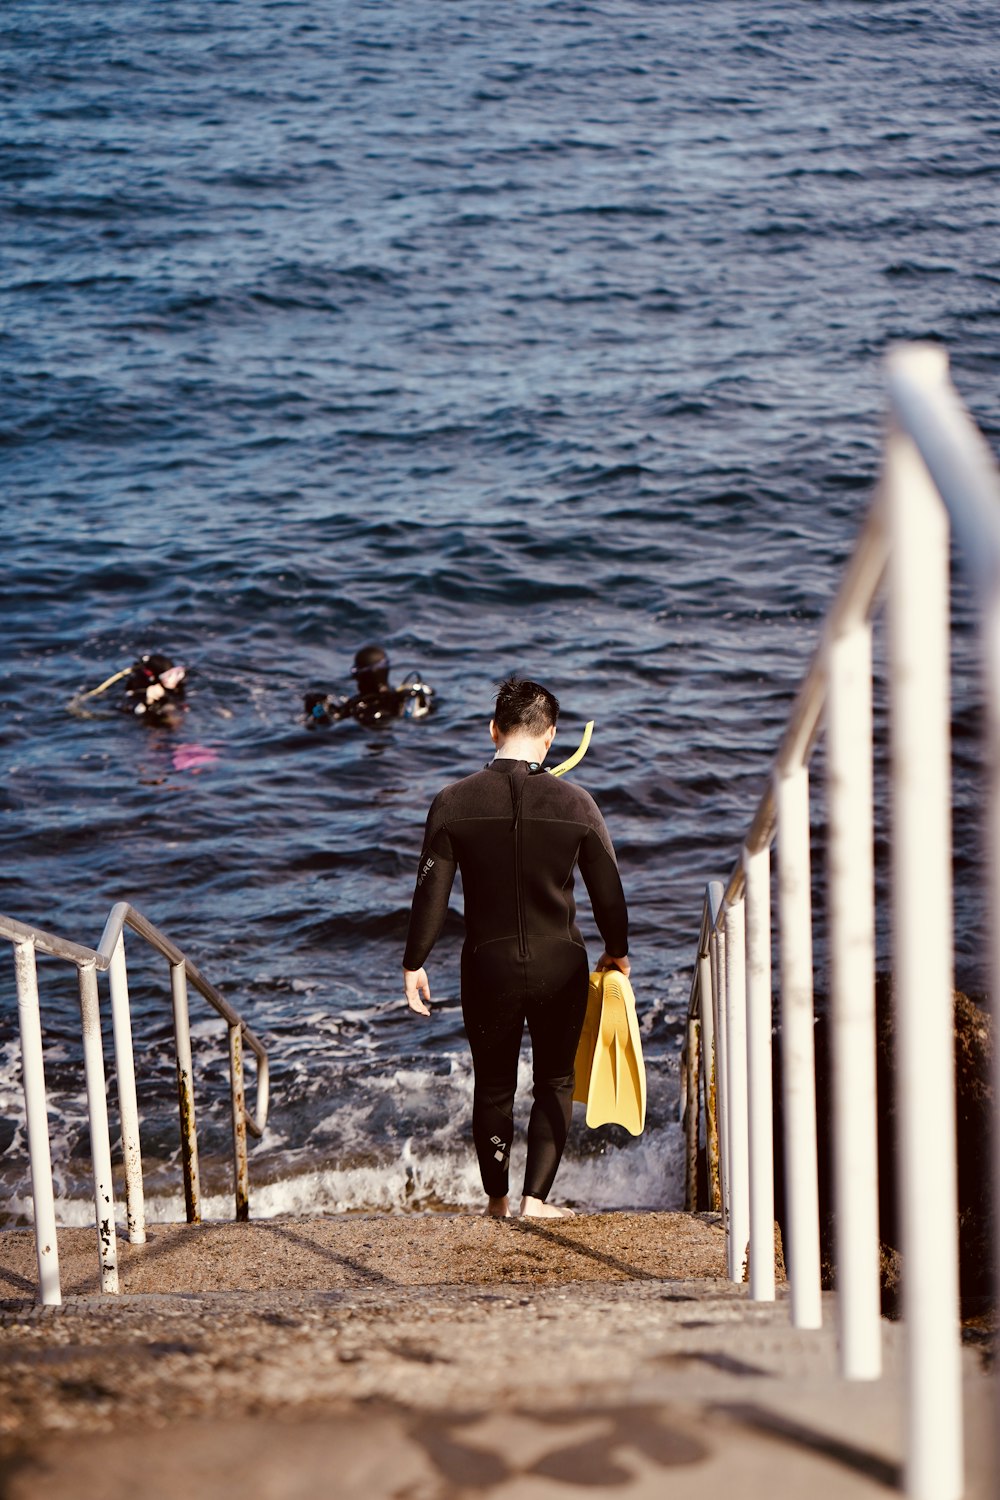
<point>426,869</point>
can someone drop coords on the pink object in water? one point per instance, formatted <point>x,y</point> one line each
<point>194,757</point>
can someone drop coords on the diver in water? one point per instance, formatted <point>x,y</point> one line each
<point>154,687</point>
<point>375,701</point>
<point>153,690</point>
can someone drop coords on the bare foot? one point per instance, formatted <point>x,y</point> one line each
<point>497,1208</point>
<point>537,1208</point>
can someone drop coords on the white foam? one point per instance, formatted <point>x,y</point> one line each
<point>646,1173</point>
<point>643,1174</point>
<point>392,1140</point>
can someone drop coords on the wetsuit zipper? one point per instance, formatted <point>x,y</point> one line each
<point>516,793</point>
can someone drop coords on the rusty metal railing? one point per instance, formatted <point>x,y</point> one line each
<point>110,956</point>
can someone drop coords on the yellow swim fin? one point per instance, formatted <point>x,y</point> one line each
<point>588,1039</point>
<point>616,1091</point>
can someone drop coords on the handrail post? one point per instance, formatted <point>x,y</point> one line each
<point>736,1064</point>
<point>761,1102</point>
<point>97,1108</point>
<point>241,1171</point>
<point>37,1120</point>
<point>128,1108</point>
<point>922,906</point>
<point>708,1073</point>
<point>717,945</point>
<point>991,671</point>
<point>185,1092</point>
<point>852,967</point>
<point>798,1060</point>
<point>692,1114</point>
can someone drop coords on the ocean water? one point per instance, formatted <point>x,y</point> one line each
<point>545,337</point>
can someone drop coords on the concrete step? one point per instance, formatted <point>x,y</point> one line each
<point>435,1358</point>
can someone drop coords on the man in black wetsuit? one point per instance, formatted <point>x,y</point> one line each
<point>517,833</point>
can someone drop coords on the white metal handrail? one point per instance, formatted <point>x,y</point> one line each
<point>937,469</point>
<point>110,956</point>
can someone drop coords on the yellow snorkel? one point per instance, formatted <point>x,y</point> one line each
<point>578,753</point>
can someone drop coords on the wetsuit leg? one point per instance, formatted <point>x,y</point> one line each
<point>493,1009</point>
<point>555,1019</point>
<point>499,991</point>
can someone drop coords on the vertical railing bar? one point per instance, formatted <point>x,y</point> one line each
<point>128,1108</point>
<point>241,1170</point>
<point>717,948</point>
<point>759,1082</point>
<point>37,1122</point>
<point>798,1064</point>
<point>991,672</point>
<point>709,1083</point>
<point>100,1143</point>
<point>683,1080</point>
<point>736,1025</point>
<point>692,1114</point>
<point>852,1019</point>
<point>924,995</point>
<point>185,1092</point>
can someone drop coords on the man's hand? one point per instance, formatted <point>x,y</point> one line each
<point>415,984</point>
<point>607,962</point>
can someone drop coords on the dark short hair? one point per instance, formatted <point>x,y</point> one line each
<point>369,659</point>
<point>524,705</point>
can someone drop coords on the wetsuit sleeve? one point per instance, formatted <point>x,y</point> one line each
<point>599,869</point>
<point>435,878</point>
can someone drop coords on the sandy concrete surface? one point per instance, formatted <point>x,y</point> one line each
<point>434,1358</point>
<point>374,1250</point>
